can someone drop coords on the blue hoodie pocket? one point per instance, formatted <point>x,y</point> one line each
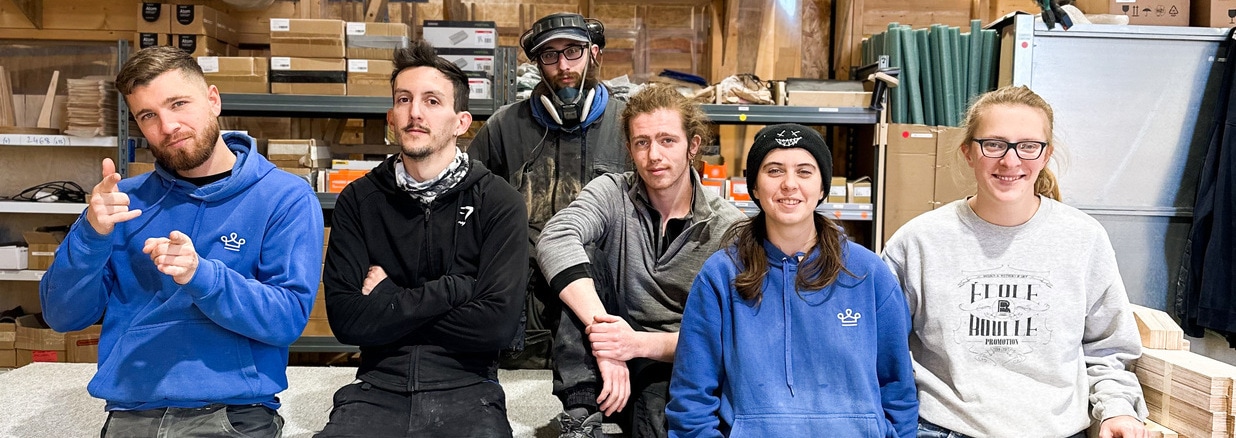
<point>838,425</point>
<point>179,360</point>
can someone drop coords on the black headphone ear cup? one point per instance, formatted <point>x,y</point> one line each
<point>596,32</point>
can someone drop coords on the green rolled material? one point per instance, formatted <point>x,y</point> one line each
<point>910,78</point>
<point>926,77</point>
<point>987,74</point>
<point>948,79</point>
<point>974,73</point>
<point>892,45</point>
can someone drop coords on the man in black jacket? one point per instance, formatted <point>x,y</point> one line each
<point>426,271</point>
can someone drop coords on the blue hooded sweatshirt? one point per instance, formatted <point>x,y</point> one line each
<point>831,362</point>
<point>224,336</point>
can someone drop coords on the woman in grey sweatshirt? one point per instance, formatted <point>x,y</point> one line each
<point>1021,325</point>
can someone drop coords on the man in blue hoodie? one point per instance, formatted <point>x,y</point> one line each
<point>204,271</point>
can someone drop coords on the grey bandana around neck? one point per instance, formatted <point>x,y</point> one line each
<point>427,191</point>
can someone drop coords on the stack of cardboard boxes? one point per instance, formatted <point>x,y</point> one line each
<point>35,342</point>
<point>318,324</point>
<point>306,158</point>
<point>307,57</point>
<point>471,45</point>
<point>371,51</point>
<point>197,29</point>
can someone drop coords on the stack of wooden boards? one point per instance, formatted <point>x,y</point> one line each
<point>92,107</point>
<point>1185,392</point>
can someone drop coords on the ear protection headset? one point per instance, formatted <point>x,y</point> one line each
<point>564,106</point>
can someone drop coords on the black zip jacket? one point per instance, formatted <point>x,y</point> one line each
<point>457,274</point>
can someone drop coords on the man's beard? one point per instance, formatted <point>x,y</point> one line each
<point>186,159</point>
<point>422,153</point>
<point>590,79</point>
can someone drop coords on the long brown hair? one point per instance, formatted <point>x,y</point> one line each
<point>748,252</point>
<point>1046,184</point>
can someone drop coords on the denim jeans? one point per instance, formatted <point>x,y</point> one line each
<point>215,420</point>
<point>362,410</point>
<point>929,430</point>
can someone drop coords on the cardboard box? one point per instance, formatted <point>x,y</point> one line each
<point>738,189</point>
<point>369,77</point>
<point>14,257</point>
<point>195,20</point>
<point>225,28</point>
<point>237,74</point>
<point>479,85</point>
<point>478,60</point>
<point>138,168</point>
<point>143,40</point>
<point>317,327</point>
<point>717,186</point>
<point>921,172</point>
<point>306,38</point>
<point>1212,13</point>
<point>42,248</point>
<point>200,45</point>
<point>8,335</point>
<point>460,34</point>
<point>1141,12</point>
<point>859,191</point>
<point>365,165</point>
<point>35,342</point>
<point>337,179</point>
<point>836,190</point>
<point>303,153</point>
<point>8,358</point>
<point>325,76</point>
<point>376,40</point>
<point>154,18</point>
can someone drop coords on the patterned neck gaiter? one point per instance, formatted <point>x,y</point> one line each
<point>427,191</point>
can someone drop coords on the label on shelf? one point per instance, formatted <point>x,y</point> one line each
<point>280,25</point>
<point>358,65</point>
<point>355,28</point>
<point>209,64</point>
<point>54,140</point>
<point>280,63</point>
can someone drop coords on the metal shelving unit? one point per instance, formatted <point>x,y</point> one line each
<point>806,115</point>
<point>290,105</point>
<point>373,107</point>
<point>21,275</point>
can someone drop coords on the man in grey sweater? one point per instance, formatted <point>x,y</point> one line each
<point>622,258</point>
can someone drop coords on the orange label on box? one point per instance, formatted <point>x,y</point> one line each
<point>87,342</point>
<point>44,356</point>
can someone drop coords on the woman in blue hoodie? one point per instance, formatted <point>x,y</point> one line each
<point>793,330</point>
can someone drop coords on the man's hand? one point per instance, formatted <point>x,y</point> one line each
<point>375,276</point>
<point>173,255</point>
<point>613,338</point>
<point>616,385</point>
<point>108,205</point>
<point>1123,426</point>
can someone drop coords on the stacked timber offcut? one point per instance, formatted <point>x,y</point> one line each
<point>1185,392</point>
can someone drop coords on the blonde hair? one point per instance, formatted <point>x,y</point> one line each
<point>1046,184</point>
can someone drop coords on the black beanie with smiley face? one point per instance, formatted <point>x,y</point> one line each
<point>786,136</point>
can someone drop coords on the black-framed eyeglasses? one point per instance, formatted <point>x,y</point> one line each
<point>572,52</point>
<point>996,148</point>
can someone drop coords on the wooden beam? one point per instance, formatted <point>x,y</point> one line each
<point>31,9</point>
<point>67,35</point>
<point>376,7</point>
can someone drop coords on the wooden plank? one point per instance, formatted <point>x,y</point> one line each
<point>49,101</point>
<point>31,9</point>
<point>376,7</point>
<point>1157,329</point>
<point>1158,431</point>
